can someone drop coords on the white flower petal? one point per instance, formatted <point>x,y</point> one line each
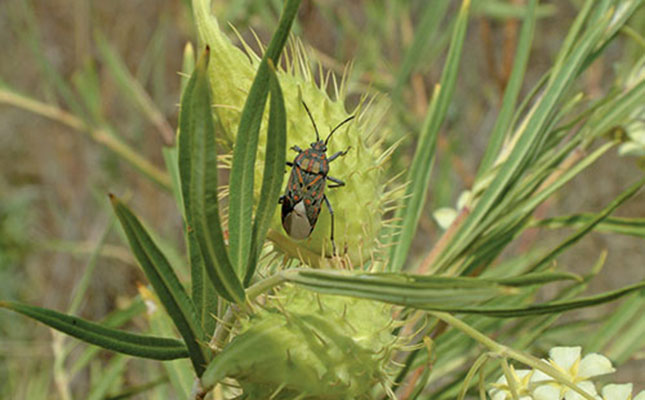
<point>640,396</point>
<point>540,377</point>
<point>631,149</point>
<point>617,392</point>
<point>636,131</point>
<point>565,357</point>
<point>594,364</point>
<point>586,386</point>
<point>498,394</point>
<point>546,392</point>
<point>444,216</point>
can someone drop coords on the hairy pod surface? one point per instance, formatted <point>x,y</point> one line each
<point>310,345</point>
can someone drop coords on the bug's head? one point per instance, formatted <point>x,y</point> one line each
<point>321,145</point>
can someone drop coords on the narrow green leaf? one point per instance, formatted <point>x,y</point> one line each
<point>428,294</point>
<point>202,290</point>
<point>538,278</point>
<point>503,122</point>
<point>525,148</point>
<point>163,279</point>
<point>153,347</point>
<point>415,290</point>
<point>526,207</point>
<point>572,35</point>
<point>203,294</point>
<point>273,171</point>
<point>421,168</point>
<point>198,173</point>
<point>113,320</point>
<point>242,171</point>
<point>623,226</point>
<point>400,288</point>
<point>627,194</point>
<point>509,224</point>
<point>546,308</point>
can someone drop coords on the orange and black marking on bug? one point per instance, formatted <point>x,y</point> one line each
<point>305,192</point>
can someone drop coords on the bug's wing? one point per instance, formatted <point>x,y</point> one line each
<point>296,221</point>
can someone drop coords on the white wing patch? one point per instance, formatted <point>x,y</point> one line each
<point>296,223</point>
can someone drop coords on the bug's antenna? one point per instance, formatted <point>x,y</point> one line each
<point>312,121</point>
<point>338,126</point>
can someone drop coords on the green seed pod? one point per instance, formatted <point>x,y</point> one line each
<point>358,206</point>
<point>309,345</point>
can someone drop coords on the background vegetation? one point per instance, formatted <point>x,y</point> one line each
<point>107,72</point>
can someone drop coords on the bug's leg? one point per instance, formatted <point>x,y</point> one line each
<point>281,199</point>
<point>337,182</point>
<point>331,212</point>
<point>296,149</point>
<point>289,164</point>
<point>338,154</point>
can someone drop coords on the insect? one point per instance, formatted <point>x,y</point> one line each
<point>305,192</point>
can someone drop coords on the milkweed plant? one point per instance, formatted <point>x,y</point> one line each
<point>267,316</point>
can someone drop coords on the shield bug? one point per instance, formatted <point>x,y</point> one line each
<point>305,192</point>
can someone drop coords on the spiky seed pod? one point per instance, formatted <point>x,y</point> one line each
<point>359,205</point>
<point>310,345</point>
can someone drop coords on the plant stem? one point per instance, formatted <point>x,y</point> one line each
<point>502,351</point>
